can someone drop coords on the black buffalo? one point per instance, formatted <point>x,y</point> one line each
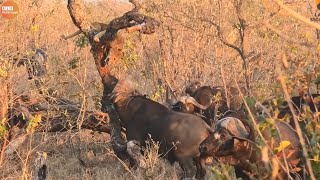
<point>188,104</point>
<point>215,101</point>
<point>312,101</point>
<point>233,142</point>
<point>179,134</point>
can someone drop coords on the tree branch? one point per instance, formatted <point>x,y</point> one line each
<point>76,11</point>
<point>109,48</point>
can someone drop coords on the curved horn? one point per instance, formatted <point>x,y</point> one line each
<point>234,126</point>
<point>194,102</point>
<point>183,99</point>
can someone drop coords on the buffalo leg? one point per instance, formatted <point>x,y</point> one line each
<point>187,168</point>
<point>200,165</point>
<point>134,151</point>
<point>117,140</point>
<point>135,139</point>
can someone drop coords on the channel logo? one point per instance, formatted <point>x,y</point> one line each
<point>9,9</point>
<point>318,4</point>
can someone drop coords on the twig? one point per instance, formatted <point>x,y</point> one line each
<point>4,145</point>
<point>256,126</point>
<point>136,4</point>
<point>297,125</point>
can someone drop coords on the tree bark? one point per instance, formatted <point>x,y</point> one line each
<point>109,48</point>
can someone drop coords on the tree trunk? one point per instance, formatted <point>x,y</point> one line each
<point>109,48</point>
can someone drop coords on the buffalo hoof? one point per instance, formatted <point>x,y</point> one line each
<point>134,150</point>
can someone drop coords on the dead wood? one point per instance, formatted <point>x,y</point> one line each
<point>57,114</point>
<point>45,112</point>
<point>109,49</point>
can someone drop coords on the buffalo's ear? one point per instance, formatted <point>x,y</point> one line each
<point>242,141</point>
<point>236,142</point>
<point>190,107</point>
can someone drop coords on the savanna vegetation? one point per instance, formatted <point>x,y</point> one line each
<point>268,47</point>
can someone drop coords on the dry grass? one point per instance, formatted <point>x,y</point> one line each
<point>184,49</point>
<point>80,155</point>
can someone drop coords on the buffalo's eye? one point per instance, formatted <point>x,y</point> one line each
<point>223,135</point>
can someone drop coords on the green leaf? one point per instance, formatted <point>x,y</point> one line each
<point>250,101</point>
<point>3,73</point>
<point>3,130</point>
<point>34,122</point>
<point>282,146</point>
<point>317,80</point>
<point>316,158</point>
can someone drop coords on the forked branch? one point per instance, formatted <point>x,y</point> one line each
<point>107,49</point>
<point>111,38</point>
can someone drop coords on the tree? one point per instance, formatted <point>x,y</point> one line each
<point>108,48</point>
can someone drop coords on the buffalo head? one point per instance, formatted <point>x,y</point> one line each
<point>109,82</point>
<point>229,138</point>
<point>313,101</point>
<point>188,104</point>
<point>192,88</point>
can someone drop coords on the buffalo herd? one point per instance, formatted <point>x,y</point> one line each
<point>211,122</point>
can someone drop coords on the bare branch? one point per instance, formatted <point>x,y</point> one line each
<point>220,34</point>
<point>111,40</point>
<point>242,25</point>
<point>76,11</point>
<point>283,83</point>
<point>241,30</point>
<point>109,48</point>
<point>136,4</point>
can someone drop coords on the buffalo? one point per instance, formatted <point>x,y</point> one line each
<point>188,104</point>
<point>179,134</point>
<point>233,142</point>
<point>312,101</point>
<point>192,88</point>
<point>214,100</point>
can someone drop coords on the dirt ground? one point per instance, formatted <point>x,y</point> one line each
<point>83,154</point>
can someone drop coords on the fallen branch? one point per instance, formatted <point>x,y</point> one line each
<point>63,109</point>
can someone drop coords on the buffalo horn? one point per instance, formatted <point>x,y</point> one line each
<point>233,125</point>
<point>194,102</point>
